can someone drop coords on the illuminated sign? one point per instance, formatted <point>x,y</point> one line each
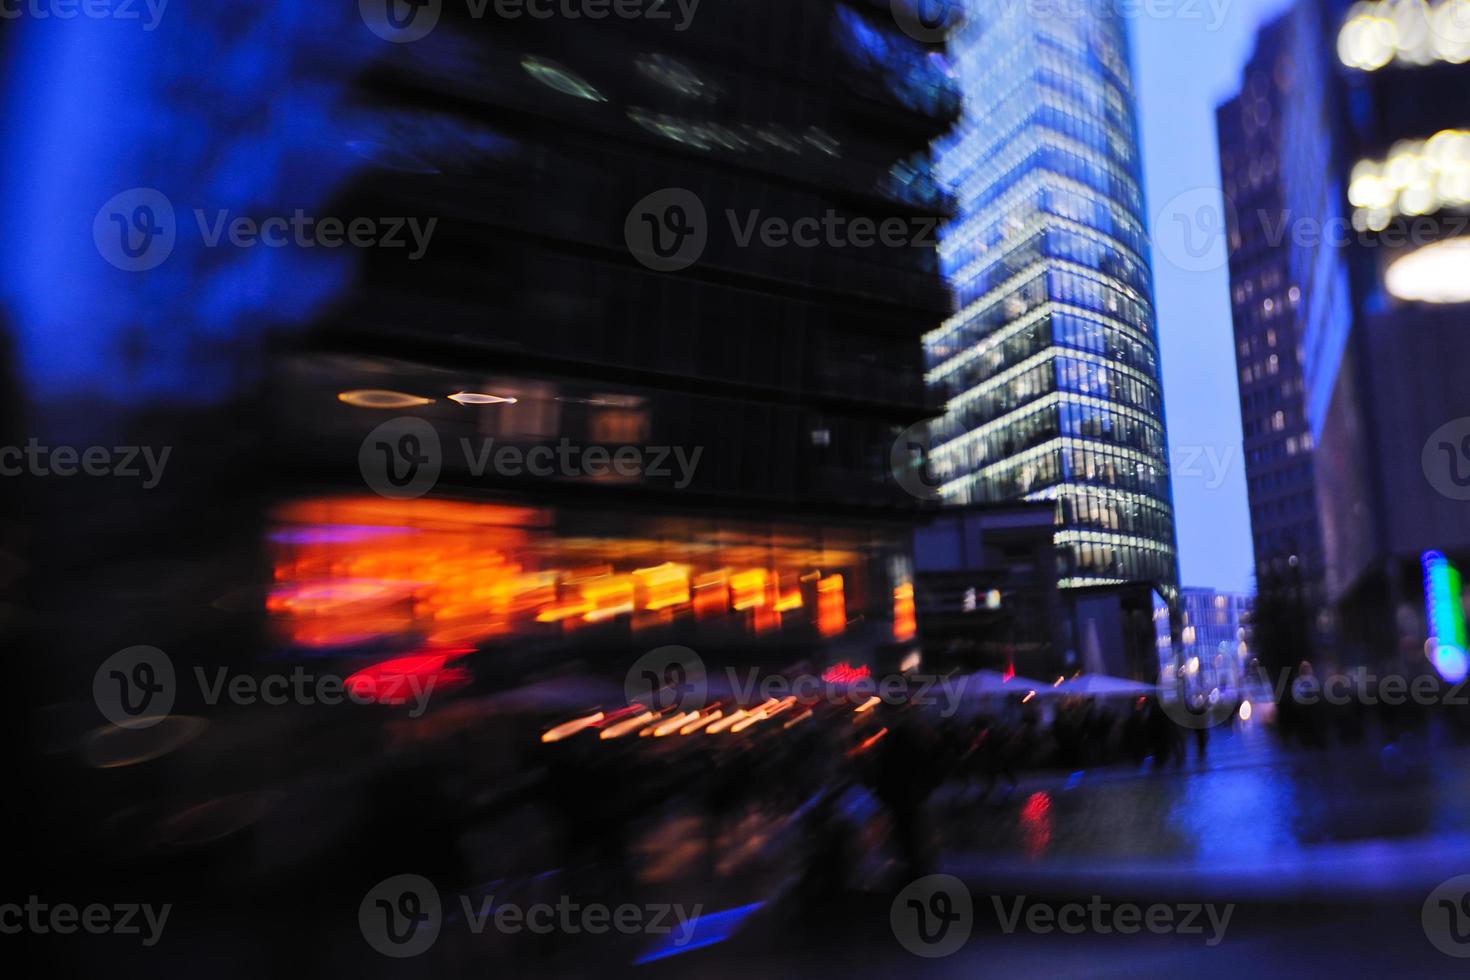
<point>1445,615</point>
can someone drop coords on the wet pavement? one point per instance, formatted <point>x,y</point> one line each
<point>1325,860</point>
<point>1249,800</point>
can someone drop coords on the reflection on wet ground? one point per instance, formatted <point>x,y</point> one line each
<point>1249,797</point>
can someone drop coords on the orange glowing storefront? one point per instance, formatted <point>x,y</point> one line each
<point>355,571</point>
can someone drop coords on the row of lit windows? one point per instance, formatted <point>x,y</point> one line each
<point>1275,422</point>
<point>1057,325</point>
<point>1097,94</point>
<point>968,444</point>
<point>1084,288</point>
<point>988,359</point>
<point>961,337</point>
<point>1102,42</point>
<point>1074,285</point>
<point>1050,140</point>
<point>979,447</point>
<point>992,399</point>
<point>1251,315</point>
<point>1116,557</point>
<point>1110,383</point>
<point>1089,251</point>
<point>1114,511</point>
<point>966,258</point>
<point>1071,462</point>
<point>1007,217</point>
<point>1268,368</point>
<point>981,393</point>
<point>1082,204</point>
<point>1281,449</point>
<point>1087,334</point>
<point>1078,97</point>
<point>1087,420</point>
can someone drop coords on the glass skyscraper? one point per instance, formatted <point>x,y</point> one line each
<point>1050,365</point>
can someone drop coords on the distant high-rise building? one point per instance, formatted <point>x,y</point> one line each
<point>1050,365</point>
<point>1267,308</point>
<point>1214,631</point>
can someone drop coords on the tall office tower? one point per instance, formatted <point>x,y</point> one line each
<point>1050,366</point>
<point>1386,397</point>
<point>1267,308</point>
<point>605,277</point>
<point>1363,125</point>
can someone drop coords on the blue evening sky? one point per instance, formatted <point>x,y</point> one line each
<point>1187,58</point>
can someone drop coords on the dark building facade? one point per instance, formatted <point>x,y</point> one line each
<point>1375,204</point>
<point>986,592</point>
<point>1396,403</point>
<point>603,277</point>
<point>1267,309</point>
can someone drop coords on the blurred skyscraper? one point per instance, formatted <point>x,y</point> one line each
<point>1367,206</point>
<point>1268,309</point>
<point>1214,630</point>
<point>1050,365</point>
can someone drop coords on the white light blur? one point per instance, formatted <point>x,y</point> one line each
<point>1436,273</point>
<point>1411,32</point>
